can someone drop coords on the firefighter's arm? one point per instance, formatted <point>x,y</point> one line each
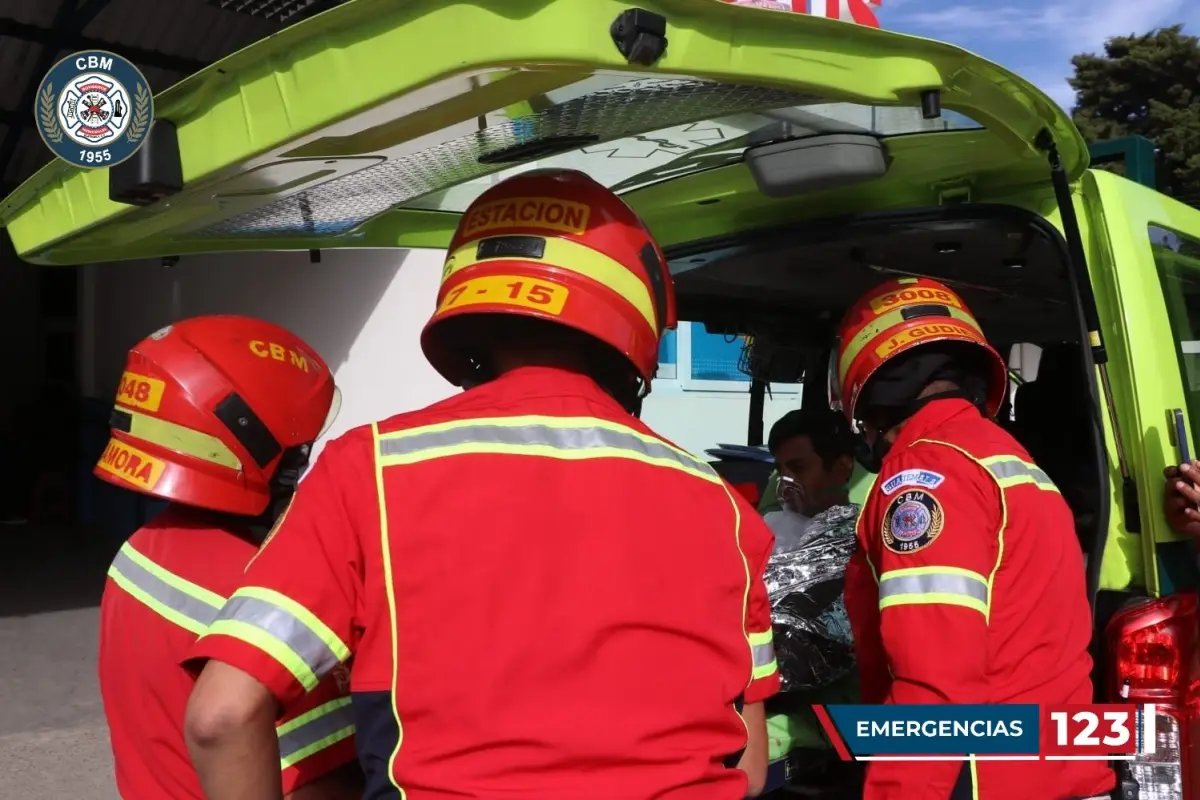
<point>754,759</point>
<point>230,732</point>
<point>756,542</point>
<point>278,636</point>
<point>937,548</point>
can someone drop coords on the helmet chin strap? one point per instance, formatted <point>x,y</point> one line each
<point>282,487</point>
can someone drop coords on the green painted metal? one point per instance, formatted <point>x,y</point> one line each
<point>1137,153</point>
<point>354,83</point>
<point>1132,304</point>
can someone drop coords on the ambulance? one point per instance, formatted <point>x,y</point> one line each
<point>787,163</point>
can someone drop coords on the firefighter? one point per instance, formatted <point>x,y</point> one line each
<point>542,598</point>
<point>216,415</point>
<point>968,582</point>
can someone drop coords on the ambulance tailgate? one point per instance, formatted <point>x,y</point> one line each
<point>373,125</point>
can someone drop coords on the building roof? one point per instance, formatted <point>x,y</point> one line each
<point>167,39</point>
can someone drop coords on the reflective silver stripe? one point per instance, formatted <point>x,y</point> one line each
<point>933,583</point>
<point>284,627</point>
<point>1009,468</point>
<point>160,596</point>
<point>559,438</point>
<point>315,734</point>
<point>764,654</point>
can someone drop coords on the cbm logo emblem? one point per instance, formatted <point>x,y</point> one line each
<point>94,109</point>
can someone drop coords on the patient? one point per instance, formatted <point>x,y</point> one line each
<point>814,458</point>
<point>814,530</point>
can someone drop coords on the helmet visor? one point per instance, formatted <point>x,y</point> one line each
<point>834,386</point>
<point>335,406</point>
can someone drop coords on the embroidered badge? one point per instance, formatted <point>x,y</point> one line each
<point>920,478</point>
<point>341,674</point>
<point>913,521</point>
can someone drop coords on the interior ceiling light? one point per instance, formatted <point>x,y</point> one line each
<point>282,11</point>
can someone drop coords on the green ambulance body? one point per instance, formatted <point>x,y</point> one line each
<point>785,162</point>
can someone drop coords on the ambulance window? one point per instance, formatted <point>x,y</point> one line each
<point>1178,260</point>
<point>711,362</point>
<point>667,357</point>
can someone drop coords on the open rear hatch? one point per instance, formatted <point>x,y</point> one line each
<point>376,123</point>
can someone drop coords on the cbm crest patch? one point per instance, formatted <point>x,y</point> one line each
<point>94,109</point>
<point>913,521</point>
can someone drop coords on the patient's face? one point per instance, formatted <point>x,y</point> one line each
<point>815,485</point>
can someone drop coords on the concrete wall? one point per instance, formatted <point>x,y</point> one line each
<point>362,310</point>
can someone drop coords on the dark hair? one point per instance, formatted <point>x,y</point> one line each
<point>828,431</point>
<point>476,337</point>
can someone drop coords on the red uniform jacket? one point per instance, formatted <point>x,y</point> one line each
<point>543,599</point>
<point>165,586</point>
<point>968,587</point>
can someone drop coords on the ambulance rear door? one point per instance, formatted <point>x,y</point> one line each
<point>1144,261</point>
<point>376,123</point>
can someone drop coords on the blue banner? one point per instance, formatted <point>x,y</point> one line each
<point>915,730</point>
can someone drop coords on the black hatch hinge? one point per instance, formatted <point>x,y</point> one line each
<point>640,36</point>
<point>1077,270</point>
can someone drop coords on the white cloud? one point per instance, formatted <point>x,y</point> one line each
<point>1072,26</point>
<point>1036,38</point>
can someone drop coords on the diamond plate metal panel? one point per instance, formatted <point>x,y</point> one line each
<point>626,110</point>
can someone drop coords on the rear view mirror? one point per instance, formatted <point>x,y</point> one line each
<point>828,161</point>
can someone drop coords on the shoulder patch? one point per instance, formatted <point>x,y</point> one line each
<point>912,522</point>
<point>920,478</point>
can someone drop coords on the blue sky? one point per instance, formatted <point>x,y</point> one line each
<point>1035,38</point>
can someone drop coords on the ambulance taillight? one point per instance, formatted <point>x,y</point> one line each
<point>1152,647</point>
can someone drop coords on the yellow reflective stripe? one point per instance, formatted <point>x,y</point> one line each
<point>1011,471</point>
<point>570,256</point>
<point>762,651</point>
<point>888,320</point>
<point>934,585</point>
<point>564,438</point>
<point>991,581</point>
<point>180,439</point>
<point>314,731</point>
<point>285,630</point>
<point>300,613</point>
<point>261,640</point>
<point>385,548</point>
<point>194,590</point>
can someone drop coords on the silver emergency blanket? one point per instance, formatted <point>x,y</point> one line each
<point>813,643</point>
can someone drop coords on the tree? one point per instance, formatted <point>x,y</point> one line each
<point>1147,85</point>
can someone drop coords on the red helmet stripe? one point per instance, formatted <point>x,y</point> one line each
<point>566,255</point>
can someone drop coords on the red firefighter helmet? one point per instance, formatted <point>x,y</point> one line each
<point>895,317</point>
<point>208,407</point>
<point>555,245</point>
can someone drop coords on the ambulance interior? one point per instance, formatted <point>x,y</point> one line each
<point>787,288</point>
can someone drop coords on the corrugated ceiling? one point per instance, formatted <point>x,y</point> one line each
<point>167,39</point>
